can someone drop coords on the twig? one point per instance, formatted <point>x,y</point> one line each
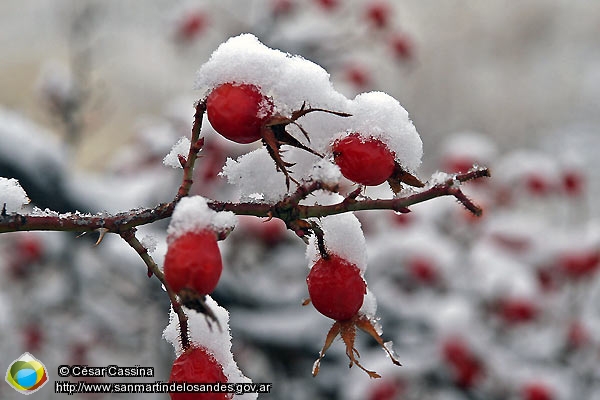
<point>129,237</point>
<point>196,146</point>
<point>121,222</point>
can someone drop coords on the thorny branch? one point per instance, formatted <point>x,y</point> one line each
<point>124,221</point>
<point>131,239</point>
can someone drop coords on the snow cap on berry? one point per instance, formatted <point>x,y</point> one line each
<point>12,195</point>
<point>192,214</point>
<point>380,116</point>
<point>343,236</point>
<point>288,80</point>
<point>216,341</point>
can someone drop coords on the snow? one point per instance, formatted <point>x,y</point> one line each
<point>30,148</point>
<point>181,148</point>
<point>192,214</point>
<point>292,82</point>
<point>12,195</point>
<point>326,172</point>
<point>56,83</point>
<point>256,177</point>
<point>369,307</point>
<point>380,116</point>
<point>520,164</point>
<point>438,178</point>
<point>217,341</point>
<point>149,242</point>
<point>288,80</point>
<point>469,145</point>
<point>344,237</point>
<point>499,276</point>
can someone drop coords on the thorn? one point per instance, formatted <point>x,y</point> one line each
<point>81,234</point>
<point>306,302</point>
<point>269,216</point>
<point>351,198</point>
<point>102,233</point>
<point>181,159</point>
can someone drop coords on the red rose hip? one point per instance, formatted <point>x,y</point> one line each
<point>197,365</point>
<point>367,161</point>
<point>193,261</point>
<point>238,111</point>
<point>336,288</point>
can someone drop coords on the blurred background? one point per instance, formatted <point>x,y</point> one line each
<point>93,94</point>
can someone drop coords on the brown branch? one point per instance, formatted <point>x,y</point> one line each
<point>121,222</point>
<point>129,237</point>
<point>195,147</point>
<point>78,222</point>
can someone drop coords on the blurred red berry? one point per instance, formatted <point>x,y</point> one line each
<point>386,390</point>
<point>511,243</point>
<point>33,337</point>
<point>378,14</point>
<point>577,335</point>
<point>282,7</point>
<point>573,183</point>
<point>191,26</point>
<point>29,248</point>
<point>516,311</point>
<point>547,278</point>
<point>537,185</point>
<point>465,365</point>
<point>536,391</point>
<point>402,46</point>
<point>328,5</point>
<point>238,111</point>
<point>458,164</point>
<point>580,264</point>
<point>336,288</point>
<point>358,76</point>
<point>423,270</point>
<point>404,220</point>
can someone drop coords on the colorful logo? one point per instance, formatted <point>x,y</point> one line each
<point>26,374</point>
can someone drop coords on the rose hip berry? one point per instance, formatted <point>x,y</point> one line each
<point>193,261</point>
<point>238,111</point>
<point>197,365</point>
<point>367,161</point>
<point>336,288</point>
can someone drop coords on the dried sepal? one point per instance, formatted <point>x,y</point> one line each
<point>367,326</point>
<point>400,176</point>
<point>191,299</point>
<point>274,135</point>
<point>347,331</point>
<point>331,335</point>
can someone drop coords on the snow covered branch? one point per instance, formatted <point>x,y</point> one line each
<point>287,209</point>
